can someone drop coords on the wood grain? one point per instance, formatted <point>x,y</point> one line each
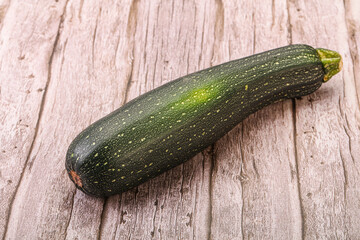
<point>289,171</point>
<point>27,42</point>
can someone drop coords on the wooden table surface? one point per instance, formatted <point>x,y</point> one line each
<point>290,171</point>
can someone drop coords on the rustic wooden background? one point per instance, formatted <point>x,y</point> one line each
<point>290,171</point>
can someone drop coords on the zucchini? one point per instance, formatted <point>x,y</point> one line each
<point>170,124</point>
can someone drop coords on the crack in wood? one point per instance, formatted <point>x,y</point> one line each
<point>211,183</point>
<point>152,233</point>
<point>80,9</point>
<point>241,183</point>
<point>346,127</point>
<point>94,37</point>
<point>102,216</point>
<point>303,233</point>
<point>131,30</point>
<point>289,25</point>
<point>253,33</point>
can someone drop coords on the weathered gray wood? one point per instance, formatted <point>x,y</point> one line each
<point>28,32</point>
<point>259,172</point>
<point>175,204</point>
<point>327,129</point>
<point>290,171</point>
<point>352,117</point>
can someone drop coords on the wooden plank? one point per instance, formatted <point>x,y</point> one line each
<point>327,129</point>
<point>352,8</point>
<point>112,40</point>
<point>27,37</point>
<point>86,83</point>
<point>169,44</point>
<point>254,170</point>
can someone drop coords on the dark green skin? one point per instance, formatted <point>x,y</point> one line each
<point>170,124</point>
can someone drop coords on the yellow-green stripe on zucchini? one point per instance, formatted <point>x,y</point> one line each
<point>170,124</point>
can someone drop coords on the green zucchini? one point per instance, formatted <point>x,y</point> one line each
<point>170,124</point>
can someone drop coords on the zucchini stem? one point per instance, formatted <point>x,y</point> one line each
<point>332,62</point>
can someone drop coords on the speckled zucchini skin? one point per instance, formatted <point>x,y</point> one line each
<point>170,124</point>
